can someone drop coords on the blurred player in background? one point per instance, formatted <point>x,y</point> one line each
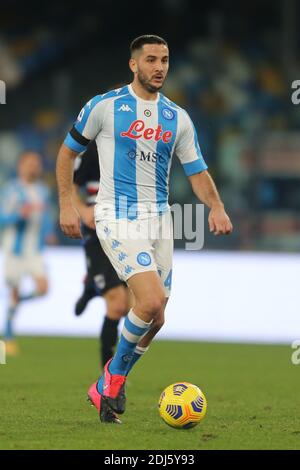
<point>137,131</point>
<point>102,279</point>
<point>26,224</point>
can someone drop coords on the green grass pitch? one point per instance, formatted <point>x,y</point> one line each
<point>252,392</point>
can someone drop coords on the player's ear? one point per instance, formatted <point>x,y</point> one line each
<point>133,65</point>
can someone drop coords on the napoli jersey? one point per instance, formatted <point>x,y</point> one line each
<point>25,236</point>
<point>136,140</point>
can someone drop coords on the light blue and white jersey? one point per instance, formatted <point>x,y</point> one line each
<point>136,140</point>
<point>24,236</point>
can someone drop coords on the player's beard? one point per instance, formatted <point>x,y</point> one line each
<point>145,82</point>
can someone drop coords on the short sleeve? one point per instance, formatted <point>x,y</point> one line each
<point>187,146</point>
<point>87,125</point>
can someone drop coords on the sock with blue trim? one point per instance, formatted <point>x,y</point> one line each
<point>133,330</point>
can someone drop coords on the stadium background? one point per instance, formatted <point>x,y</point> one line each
<point>231,67</point>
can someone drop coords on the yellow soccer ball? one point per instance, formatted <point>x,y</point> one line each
<point>182,405</point>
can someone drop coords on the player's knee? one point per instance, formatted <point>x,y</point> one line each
<point>153,304</point>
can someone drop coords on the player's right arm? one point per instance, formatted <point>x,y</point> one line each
<point>86,128</point>
<point>69,218</point>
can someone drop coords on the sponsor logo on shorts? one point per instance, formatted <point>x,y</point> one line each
<point>144,259</point>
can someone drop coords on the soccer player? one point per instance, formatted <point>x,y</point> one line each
<point>27,225</point>
<point>102,279</point>
<point>137,131</point>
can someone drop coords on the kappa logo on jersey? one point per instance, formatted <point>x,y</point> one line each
<point>138,126</point>
<point>125,107</point>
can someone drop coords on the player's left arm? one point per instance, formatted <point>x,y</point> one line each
<point>189,153</point>
<point>205,189</point>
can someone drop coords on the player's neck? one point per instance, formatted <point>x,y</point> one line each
<point>142,93</point>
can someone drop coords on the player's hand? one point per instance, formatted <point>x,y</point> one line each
<point>70,222</point>
<point>87,216</point>
<point>219,222</point>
